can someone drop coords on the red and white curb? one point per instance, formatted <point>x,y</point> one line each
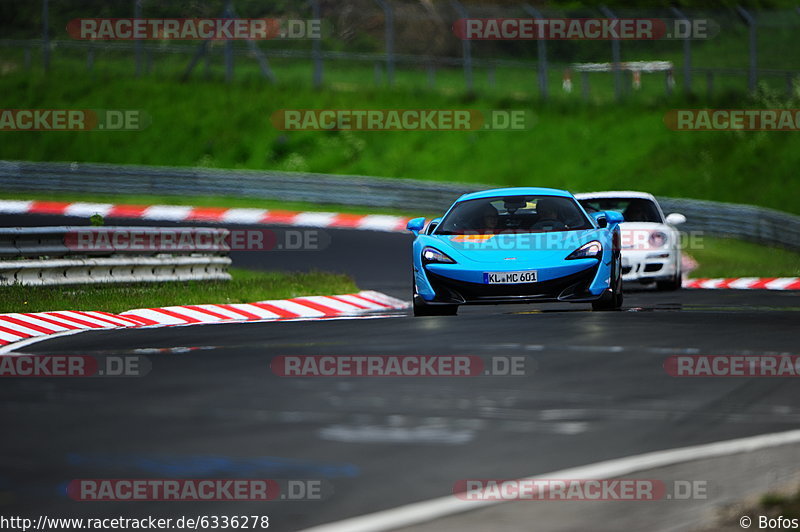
<point>23,326</point>
<point>185,213</point>
<point>745,283</point>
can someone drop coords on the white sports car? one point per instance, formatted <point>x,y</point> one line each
<point>651,245</point>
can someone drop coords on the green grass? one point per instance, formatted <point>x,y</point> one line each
<point>245,287</point>
<point>725,257</point>
<point>572,145</point>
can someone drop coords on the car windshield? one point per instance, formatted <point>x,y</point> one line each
<point>516,214</point>
<point>633,209</point>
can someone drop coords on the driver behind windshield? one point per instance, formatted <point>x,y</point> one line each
<point>640,211</point>
<point>548,216</point>
<point>486,219</point>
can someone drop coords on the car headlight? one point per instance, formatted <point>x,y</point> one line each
<point>590,250</point>
<point>658,239</point>
<point>433,255</point>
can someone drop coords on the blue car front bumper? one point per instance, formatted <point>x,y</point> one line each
<point>447,286</point>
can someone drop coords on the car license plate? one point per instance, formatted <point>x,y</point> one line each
<point>509,277</point>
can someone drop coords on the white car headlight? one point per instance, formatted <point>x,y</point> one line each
<point>658,239</point>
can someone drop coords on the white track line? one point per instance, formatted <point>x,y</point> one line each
<point>421,512</point>
<point>10,348</point>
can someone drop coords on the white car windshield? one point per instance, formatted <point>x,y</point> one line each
<point>633,209</point>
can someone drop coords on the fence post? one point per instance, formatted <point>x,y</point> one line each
<point>388,14</point>
<point>45,36</point>
<point>585,85</point>
<point>466,47</point>
<point>316,47</point>
<point>90,58</point>
<point>615,57</point>
<point>710,83</point>
<point>228,46</point>
<point>687,54</point>
<point>263,64</point>
<point>752,79</point>
<point>207,65</point>
<point>541,50</point>
<point>137,14</point>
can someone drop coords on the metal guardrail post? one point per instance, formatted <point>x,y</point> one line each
<point>687,54</point>
<point>316,47</point>
<point>46,35</point>
<point>137,14</point>
<point>388,13</point>
<point>228,45</point>
<point>752,78</point>
<point>466,47</point>
<point>541,51</point>
<point>263,63</point>
<point>615,57</point>
<point>585,86</point>
<point>90,59</point>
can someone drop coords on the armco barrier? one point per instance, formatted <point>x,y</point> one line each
<point>757,224</point>
<point>53,256</point>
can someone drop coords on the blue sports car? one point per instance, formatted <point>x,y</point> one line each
<point>516,245</point>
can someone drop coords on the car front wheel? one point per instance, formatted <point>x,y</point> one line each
<point>670,284</point>
<point>612,299</point>
<point>421,308</point>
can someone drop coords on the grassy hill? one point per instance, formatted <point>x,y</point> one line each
<point>573,145</point>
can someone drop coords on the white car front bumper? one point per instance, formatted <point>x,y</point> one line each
<point>648,265</point>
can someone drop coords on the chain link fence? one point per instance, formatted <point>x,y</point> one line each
<point>411,43</point>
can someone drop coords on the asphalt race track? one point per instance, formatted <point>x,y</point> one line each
<point>594,388</point>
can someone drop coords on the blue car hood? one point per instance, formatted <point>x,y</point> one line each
<point>541,248</point>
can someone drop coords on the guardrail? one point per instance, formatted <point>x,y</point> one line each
<point>81,255</point>
<point>734,220</point>
<point>747,222</point>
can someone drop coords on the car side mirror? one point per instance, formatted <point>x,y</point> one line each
<point>614,217</point>
<point>415,225</point>
<point>606,218</point>
<point>600,218</point>
<point>676,218</point>
<point>432,226</point>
